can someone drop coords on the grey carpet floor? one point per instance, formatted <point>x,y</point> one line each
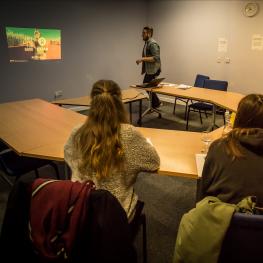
<point>166,198</point>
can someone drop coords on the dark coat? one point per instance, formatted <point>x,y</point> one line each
<point>105,238</point>
<point>232,180</point>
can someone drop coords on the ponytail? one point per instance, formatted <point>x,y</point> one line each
<point>98,140</point>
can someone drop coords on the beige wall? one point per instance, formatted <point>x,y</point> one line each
<point>188,33</point>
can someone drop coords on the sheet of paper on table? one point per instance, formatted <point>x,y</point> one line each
<point>183,86</point>
<point>167,84</point>
<point>200,160</point>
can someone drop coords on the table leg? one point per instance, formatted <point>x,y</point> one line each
<point>213,124</point>
<point>150,109</point>
<point>130,109</point>
<point>214,116</point>
<point>140,113</point>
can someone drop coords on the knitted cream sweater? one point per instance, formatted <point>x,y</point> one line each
<point>140,156</point>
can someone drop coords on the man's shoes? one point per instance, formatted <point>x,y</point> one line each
<point>158,106</point>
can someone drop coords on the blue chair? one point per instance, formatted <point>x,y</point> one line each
<point>243,240</point>
<point>202,107</point>
<point>199,82</point>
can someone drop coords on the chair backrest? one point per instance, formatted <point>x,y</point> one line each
<point>3,146</point>
<point>216,84</point>
<point>243,240</point>
<point>136,221</point>
<point>199,80</point>
<point>105,236</point>
<point>139,219</point>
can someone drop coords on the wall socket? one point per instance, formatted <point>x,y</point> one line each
<point>58,93</point>
<point>227,60</point>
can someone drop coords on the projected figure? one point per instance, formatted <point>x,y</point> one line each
<point>25,44</point>
<point>39,46</point>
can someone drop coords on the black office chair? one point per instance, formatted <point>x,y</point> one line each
<point>139,220</point>
<point>202,107</point>
<point>243,240</point>
<point>199,82</point>
<point>14,165</point>
<point>4,148</point>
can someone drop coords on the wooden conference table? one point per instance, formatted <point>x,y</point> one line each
<point>225,99</point>
<point>128,96</point>
<point>37,128</point>
<point>40,129</point>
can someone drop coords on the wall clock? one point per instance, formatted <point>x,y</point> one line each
<point>251,9</point>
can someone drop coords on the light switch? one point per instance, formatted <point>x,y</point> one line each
<point>219,59</point>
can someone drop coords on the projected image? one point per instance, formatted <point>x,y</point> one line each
<point>27,44</point>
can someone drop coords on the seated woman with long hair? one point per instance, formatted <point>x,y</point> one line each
<point>234,164</point>
<point>108,150</point>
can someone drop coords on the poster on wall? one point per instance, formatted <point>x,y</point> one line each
<point>222,44</point>
<point>33,44</point>
<point>257,42</point>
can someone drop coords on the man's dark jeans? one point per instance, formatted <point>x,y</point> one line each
<point>147,78</point>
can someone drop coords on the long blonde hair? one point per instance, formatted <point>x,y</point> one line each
<point>249,119</point>
<point>98,140</point>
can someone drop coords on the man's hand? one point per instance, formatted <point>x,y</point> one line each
<point>145,59</point>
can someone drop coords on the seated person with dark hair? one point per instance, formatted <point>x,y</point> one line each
<point>234,164</point>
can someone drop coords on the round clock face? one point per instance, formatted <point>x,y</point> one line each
<point>251,9</point>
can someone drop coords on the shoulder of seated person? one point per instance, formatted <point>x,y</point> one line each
<point>76,128</point>
<point>128,130</point>
<point>127,126</point>
<point>218,144</point>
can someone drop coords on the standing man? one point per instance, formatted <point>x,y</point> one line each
<point>151,62</point>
